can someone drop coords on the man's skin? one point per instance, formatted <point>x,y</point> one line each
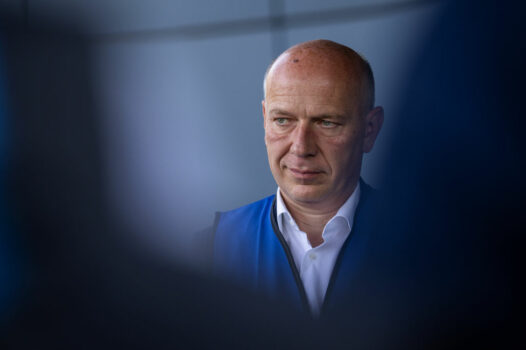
<point>319,120</point>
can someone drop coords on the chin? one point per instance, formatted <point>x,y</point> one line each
<point>306,193</point>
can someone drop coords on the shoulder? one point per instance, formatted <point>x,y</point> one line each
<point>371,201</point>
<point>367,192</point>
<point>230,226</point>
<point>366,189</point>
<point>250,209</point>
<point>242,218</point>
<point>238,232</point>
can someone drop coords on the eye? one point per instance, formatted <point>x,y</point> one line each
<point>281,121</point>
<point>327,124</point>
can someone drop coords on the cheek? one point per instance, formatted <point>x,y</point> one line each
<point>271,136</point>
<point>276,144</point>
<point>350,141</point>
<point>340,151</point>
<point>337,146</point>
<point>276,151</point>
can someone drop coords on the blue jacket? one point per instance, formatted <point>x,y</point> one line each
<point>251,251</point>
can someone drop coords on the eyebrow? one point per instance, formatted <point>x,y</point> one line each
<point>320,116</point>
<point>329,116</point>
<point>280,111</point>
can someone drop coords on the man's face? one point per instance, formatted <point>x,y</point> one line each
<point>314,135</point>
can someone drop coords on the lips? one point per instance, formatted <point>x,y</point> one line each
<point>304,174</point>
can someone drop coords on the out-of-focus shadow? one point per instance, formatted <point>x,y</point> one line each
<point>74,279</point>
<point>443,268</point>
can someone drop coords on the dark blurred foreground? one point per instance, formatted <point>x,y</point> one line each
<point>70,278</point>
<point>442,270</point>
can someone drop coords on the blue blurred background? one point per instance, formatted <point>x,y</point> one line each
<point>124,125</point>
<point>179,88</point>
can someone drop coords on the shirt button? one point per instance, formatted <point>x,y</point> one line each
<point>312,256</point>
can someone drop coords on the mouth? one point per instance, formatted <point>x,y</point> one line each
<point>304,174</point>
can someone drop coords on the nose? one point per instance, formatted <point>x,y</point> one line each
<point>303,143</point>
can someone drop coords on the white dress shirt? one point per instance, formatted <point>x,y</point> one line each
<point>315,265</point>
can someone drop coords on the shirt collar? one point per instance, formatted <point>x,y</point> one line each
<point>346,211</point>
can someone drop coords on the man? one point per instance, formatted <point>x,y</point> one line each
<point>319,120</point>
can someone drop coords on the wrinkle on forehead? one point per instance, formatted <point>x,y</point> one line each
<point>312,86</point>
<point>330,63</point>
<point>318,69</point>
<point>293,82</point>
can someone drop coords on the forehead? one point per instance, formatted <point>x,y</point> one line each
<point>303,84</point>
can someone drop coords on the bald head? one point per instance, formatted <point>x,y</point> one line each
<point>333,60</point>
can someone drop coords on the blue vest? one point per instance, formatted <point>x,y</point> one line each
<point>250,250</point>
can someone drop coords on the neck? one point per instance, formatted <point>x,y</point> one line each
<point>310,222</point>
<point>312,218</point>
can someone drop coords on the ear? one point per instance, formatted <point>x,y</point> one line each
<point>264,113</point>
<point>373,123</point>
